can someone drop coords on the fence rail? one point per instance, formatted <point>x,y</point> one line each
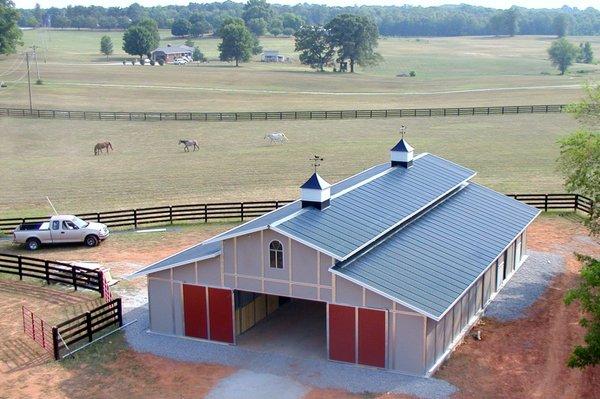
<point>279,115</point>
<point>53,272</point>
<point>243,210</point>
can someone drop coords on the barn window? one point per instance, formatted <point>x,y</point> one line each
<point>276,255</point>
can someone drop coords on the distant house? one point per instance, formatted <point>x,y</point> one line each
<point>170,53</point>
<point>274,56</point>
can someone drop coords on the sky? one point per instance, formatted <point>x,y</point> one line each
<point>486,3</point>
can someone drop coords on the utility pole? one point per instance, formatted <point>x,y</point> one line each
<point>29,82</point>
<point>37,69</point>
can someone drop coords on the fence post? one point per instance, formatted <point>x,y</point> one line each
<point>88,325</point>
<point>171,214</point>
<point>74,277</point>
<point>576,202</point>
<point>120,312</point>
<point>135,219</point>
<point>43,337</point>
<point>98,217</point>
<point>55,343</point>
<point>23,317</point>
<point>242,210</point>
<point>101,283</point>
<point>47,270</point>
<point>32,326</point>
<point>205,213</point>
<point>545,202</point>
<point>276,204</point>
<point>20,265</point>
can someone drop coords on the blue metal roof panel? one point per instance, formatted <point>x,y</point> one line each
<point>429,263</point>
<point>197,252</point>
<point>315,182</point>
<point>368,211</point>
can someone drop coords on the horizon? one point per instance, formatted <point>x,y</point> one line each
<point>532,4</point>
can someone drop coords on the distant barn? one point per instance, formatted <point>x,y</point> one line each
<point>274,56</point>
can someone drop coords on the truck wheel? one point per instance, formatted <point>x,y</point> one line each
<point>91,241</point>
<point>32,244</point>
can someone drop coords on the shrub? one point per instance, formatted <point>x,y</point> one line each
<point>288,31</point>
<point>39,82</point>
<point>142,62</point>
<point>152,62</point>
<point>161,62</point>
<point>412,74</point>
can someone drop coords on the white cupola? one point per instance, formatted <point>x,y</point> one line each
<point>316,192</point>
<point>402,154</point>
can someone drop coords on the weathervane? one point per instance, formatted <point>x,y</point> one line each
<point>402,130</point>
<point>316,161</point>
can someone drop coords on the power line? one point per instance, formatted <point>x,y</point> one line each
<point>13,67</point>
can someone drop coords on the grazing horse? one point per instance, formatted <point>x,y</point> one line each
<point>189,143</point>
<point>101,146</point>
<point>276,138</point>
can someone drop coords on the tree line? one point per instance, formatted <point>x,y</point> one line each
<point>447,20</point>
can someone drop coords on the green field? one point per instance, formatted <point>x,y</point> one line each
<point>463,71</point>
<point>55,158</point>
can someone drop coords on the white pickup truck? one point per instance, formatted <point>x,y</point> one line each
<point>60,229</point>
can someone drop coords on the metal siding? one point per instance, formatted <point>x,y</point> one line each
<point>348,293</point>
<point>448,328</point>
<point>410,344</point>
<point>430,347</point>
<point>487,285</point>
<point>248,254</point>
<point>464,310</point>
<point>185,274</point>
<point>371,337</point>
<point>325,274</point>
<point>430,263</point>
<point>194,308</point>
<point>220,315</point>
<point>342,333</point>
<point>457,320</point>
<point>366,212</point>
<point>304,264</point>
<point>373,300</point>
<point>209,271</point>
<point>305,292</point>
<point>178,308</point>
<point>160,306</point>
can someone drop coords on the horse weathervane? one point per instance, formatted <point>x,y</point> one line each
<point>402,130</point>
<point>316,161</point>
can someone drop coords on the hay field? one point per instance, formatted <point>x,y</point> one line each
<point>462,71</point>
<point>55,158</point>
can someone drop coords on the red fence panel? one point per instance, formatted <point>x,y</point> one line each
<point>342,333</point>
<point>37,329</point>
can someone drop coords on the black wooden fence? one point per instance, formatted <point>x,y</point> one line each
<point>170,214</point>
<point>279,115</point>
<point>52,272</point>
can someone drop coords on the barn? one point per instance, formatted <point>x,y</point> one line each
<point>388,268</point>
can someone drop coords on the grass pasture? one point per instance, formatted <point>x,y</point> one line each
<point>52,157</point>
<point>461,71</point>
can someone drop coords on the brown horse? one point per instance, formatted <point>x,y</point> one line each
<point>101,146</point>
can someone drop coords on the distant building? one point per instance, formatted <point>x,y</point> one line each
<point>170,53</point>
<point>274,56</point>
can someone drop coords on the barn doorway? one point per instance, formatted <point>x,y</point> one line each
<point>291,326</point>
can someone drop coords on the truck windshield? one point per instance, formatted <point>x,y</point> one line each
<point>80,223</point>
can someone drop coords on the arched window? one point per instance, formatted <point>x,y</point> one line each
<point>276,255</point>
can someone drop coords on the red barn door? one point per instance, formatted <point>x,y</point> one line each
<point>220,305</point>
<point>371,337</point>
<point>342,337</point>
<point>194,311</point>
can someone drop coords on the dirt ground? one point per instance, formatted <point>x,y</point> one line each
<point>523,358</point>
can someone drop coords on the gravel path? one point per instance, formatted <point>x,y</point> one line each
<point>273,367</point>
<point>526,286</point>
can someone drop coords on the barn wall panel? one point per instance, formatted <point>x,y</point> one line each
<point>430,342</point>
<point>220,315</point>
<point>348,293</point>
<point>248,254</point>
<point>371,337</point>
<point>178,308</point>
<point>440,347</point>
<point>304,264</point>
<point>228,256</point>
<point>185,273</point>
<point>160,306</point>
<point>195,311</point>
<point>409,349</point>
<point>249,284</point>
<point>325,274</point>
<point>305,292</point>
<point>209,271</point>
<point>464,310</point>
<point>279,274</point>
<point>325,294</point>
<point>276,288</point>
<point>449,328</point>
<point>373,300</point>
<point>342,333</point>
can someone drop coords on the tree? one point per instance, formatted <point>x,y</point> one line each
<point>355,38</point>
<point>256,15</point>
<point>106,46</point>
<point>10,34</point>
<point>504,22</point>
<point>587,111</point>
<point>562,54</point>
<point>314,46</point>
<point>237,44</point>
<point>511,20</point>
<point>199,24</point>
<point>560,23</point>
<point>291,21</point>
<point>586,54</point>
<point>189,42</point>
<point>197,55</point>
<point>181,27</point>
<point>257,26</point>
<point>588,296</point>
<point>141,38</point>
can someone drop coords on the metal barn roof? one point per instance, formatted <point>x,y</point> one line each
<point>429,263</point>
<point>361,215</point>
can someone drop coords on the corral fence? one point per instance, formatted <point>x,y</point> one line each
<point>65,336</point>
<point>54,272</point>
<point>170,214</point>
<point>280,115</point>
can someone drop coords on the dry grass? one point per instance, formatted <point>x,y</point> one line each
<point>55,158</point>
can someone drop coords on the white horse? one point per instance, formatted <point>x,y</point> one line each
<point>276,138</point>
<point>189,143</point>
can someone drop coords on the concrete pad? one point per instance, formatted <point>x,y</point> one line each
<point>246,384</point>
